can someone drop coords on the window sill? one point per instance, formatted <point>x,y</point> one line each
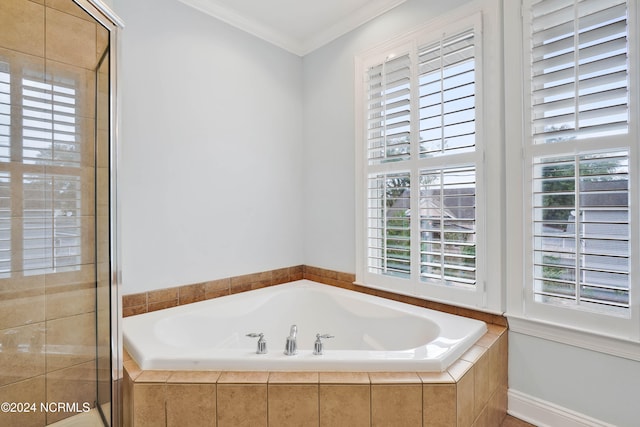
<point>615,346</point>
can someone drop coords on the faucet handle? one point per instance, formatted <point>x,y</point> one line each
<point>318,346</point>
<point>262,343</point>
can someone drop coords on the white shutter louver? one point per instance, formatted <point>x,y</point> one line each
<point>389,247</point>
<point>579,56</point>
<point>50,132</point>
<point>447,95</point>
<point>5,112</point>
<point>448,225</point>
<point>52,225</point>
<point>389,111</point>
<point>582,231</point>
<point>5,223</point>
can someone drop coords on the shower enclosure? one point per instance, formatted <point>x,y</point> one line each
<point>59,304</point>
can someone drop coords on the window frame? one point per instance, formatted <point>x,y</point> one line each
<point>484,17</point>
<point>592,330</point>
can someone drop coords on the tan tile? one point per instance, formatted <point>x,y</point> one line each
<point>494,376</point>
<point>132,369</point>
<point>68,6</point>
<point>132,311</point>
<point>70,39</point>
<point>134,300</point>
<point>280,276</point>
<point>148,404</point>
<point>22,301</point>
<point>75,385</point>
<point>127,397</point>
<point>474,353</point>
<point>503,360</point>
<point>161,295</point>
<point>250,281</point>
<point>102,41</point>
<point>345,405</point>
<point>344,378</point>
<point>191,293</point>
<point>482,391</point>
<point>487,340</point>
<point>496,329</point>
<point>71,340</point>
<point>394,378</point>
<point>346,277</point>
<point>296,273</point>
<point>31,390</point>
<point>435,377</point>
<point>397,405</point>
<point>459,368</point>
<point>217,288</point>
<point>194,377</point>
<point>497,407</point>
<point>240,405</point>
<point>21,356</point>
<point>155,306</point>
<point>150,376</point>
<point>293,378</point>
<point>292,404</point>
<point>70,293</point>
<point>83,81</point>
<point>191,405</point>
<point>465,399</point>
<point>243,377</point>
<point>22,24</point>
<point>482,420</point>
<point>439,405</point>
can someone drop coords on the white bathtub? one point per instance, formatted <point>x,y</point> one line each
<point>371,333</point>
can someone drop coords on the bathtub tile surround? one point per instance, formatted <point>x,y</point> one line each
<point>172,297</point>
<point>345,399</point>
<point>292,398</point>
<point>471,393</point>
<point>395,393</point>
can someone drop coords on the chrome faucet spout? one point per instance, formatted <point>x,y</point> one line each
<point>291,345</point>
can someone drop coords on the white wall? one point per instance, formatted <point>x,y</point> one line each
<point>211,139</point>
<point>594,384</point>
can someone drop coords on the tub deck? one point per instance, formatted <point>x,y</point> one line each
<point>472,392</point>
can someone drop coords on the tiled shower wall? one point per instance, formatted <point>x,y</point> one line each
<point>47,314</point>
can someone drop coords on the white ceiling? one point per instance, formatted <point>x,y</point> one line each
<point>299,26</point>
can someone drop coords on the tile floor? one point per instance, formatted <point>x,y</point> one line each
<point>510,421</point>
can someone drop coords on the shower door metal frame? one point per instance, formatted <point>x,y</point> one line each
<point>109,20</point>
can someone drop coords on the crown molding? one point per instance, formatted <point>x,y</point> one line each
<point>279,38</point>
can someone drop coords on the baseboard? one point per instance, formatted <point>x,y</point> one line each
<point>546,414</point>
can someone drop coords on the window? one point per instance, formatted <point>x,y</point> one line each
<point>422,159</point>
<point>40,173</point>
<point>579,165</point>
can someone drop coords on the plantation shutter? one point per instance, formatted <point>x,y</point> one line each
<point>52,227</point>
<point>5,177</point>
<point>582,231</point>
<point>578,69</point>
<point>421,162</point>
<point>580,204</point>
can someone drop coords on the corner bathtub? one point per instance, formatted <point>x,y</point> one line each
<point>371,333</point>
